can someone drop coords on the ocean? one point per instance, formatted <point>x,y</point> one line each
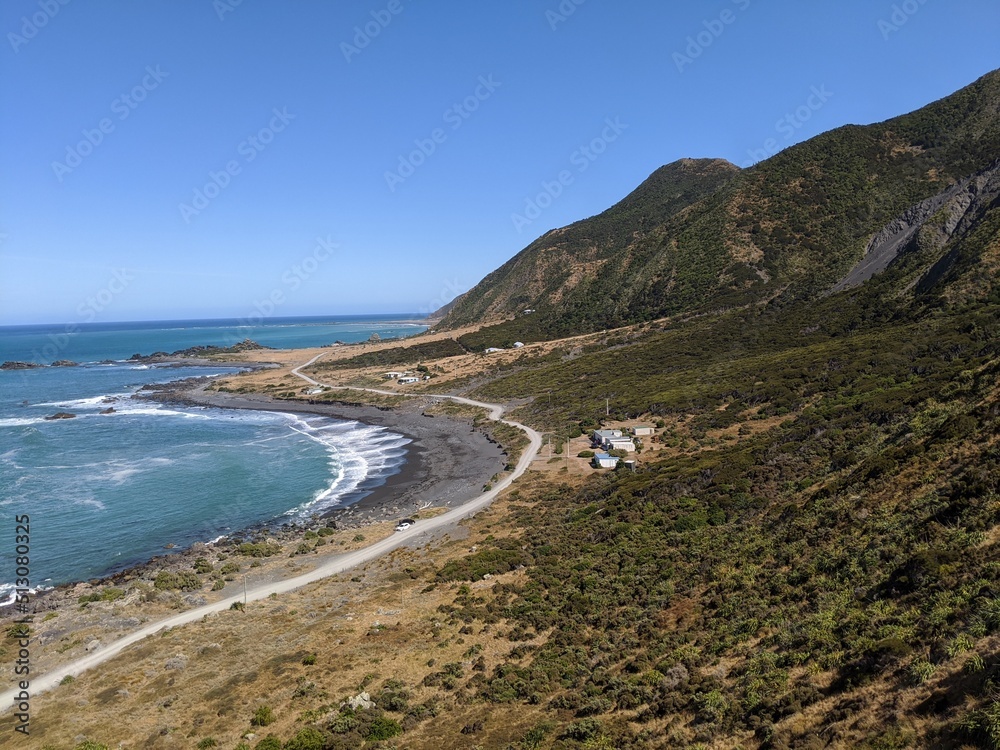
<point>106,491</point>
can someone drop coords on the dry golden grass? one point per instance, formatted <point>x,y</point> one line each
<point>206,679</point>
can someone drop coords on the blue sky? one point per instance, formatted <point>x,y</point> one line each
<point>188,158</point>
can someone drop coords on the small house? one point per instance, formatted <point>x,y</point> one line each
<point>604,461</point>
<point>493,350</point>
<point>642,431</point>
<point>599,436</point>
<point>393,375</point>
<point>407,381</point>
<point>619,444</point>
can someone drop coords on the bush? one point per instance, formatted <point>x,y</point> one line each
<point>207,743</point>
<point>259,549</point>
<point>585,454</point>
<point>109,594</point>
<point>184,581</point>
<point>263,716</point>
<point>269,743</point>
<point>308,738</point>
<point>383,728</point>
<point>309,660</point>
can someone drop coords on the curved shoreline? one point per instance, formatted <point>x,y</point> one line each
<point>444,458</point>
<point>333,566</point>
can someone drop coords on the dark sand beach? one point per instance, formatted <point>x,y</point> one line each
<point>447,463</point>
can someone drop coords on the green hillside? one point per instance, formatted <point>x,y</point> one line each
<point>702,236</point>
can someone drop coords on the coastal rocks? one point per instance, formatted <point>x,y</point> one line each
<point>109,410</point>
<point>14,365</point>
<point>65,363</point>
<point>60,415</point>
<point>246,345</point>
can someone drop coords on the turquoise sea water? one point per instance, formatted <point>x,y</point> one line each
<point>107,491</point>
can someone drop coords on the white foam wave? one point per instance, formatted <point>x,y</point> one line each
<point>93,402</point>
<point>357,452</point>
<point>154,411</point>
<point>20,421</point>
<point>8,593</point>
<point>91,503</point>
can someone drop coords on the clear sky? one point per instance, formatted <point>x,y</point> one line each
<point>191,158</point>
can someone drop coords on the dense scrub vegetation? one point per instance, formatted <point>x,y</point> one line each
<point>397,355</point>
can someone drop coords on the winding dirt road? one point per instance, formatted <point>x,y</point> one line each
<point>334,566</point>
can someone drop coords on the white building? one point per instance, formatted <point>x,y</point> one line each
<point>642,431</point>
<point>599,436</point>
<point>393,375</point>
<point>604,461</point>
<point>407,381</point>
<point>619,444</point>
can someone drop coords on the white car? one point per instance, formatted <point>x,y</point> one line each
<point>403,525</point>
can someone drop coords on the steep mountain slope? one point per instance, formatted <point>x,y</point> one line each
<point>565,260</point>
<point>789,228</point>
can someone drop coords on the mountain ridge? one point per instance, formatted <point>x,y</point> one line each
<point>702,234</point>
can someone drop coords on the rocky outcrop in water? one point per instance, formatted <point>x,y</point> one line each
<point>11,365</point>
<point>246,345</point>
<point>61,415</point>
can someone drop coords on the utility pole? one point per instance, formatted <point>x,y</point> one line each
<point>244,592</point>
<point>607,407</point>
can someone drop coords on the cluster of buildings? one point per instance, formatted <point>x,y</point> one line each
<point>615,440</point>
